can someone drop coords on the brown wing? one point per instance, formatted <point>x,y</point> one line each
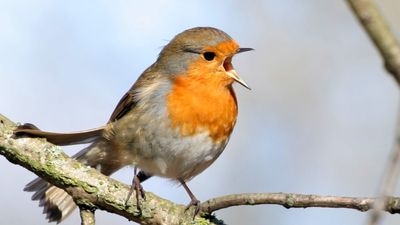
<point>80,137</point>
<point>128,101</point>
<point>124,105</point>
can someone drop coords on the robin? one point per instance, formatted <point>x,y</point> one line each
<point>174,122</point>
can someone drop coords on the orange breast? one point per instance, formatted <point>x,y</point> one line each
<point>202,102</point>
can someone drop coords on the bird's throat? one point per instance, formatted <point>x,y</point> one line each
<point>195,105</point>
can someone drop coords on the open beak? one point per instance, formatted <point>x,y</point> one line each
<point>232,73</point>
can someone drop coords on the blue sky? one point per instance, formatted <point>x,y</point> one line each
<point>319,118</point>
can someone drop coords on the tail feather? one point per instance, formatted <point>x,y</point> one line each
<point>57,204</point>
<point>34,185</point>
<point>73,138</point>
<point>39,189</point>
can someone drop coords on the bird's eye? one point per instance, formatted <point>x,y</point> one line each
<point>209,56</point>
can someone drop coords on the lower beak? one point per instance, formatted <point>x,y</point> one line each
<point>232,73</point>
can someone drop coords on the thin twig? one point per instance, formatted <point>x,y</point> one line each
<point>291,200</point>
<point>389,48</point>
<point>389,179</point>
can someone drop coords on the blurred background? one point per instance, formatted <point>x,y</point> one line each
<point>320,118</point>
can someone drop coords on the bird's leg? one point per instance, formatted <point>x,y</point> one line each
<point>193,200</point>
<point>138,188</point>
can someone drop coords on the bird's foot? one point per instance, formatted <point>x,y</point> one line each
<point>137,186</point>
<point>196,203</point>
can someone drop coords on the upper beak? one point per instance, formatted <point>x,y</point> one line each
<point>232,73</point>
<point>240,50</point>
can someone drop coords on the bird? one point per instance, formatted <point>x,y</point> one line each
<point>173,122</point>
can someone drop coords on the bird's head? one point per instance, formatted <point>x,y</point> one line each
<point>202,53</point>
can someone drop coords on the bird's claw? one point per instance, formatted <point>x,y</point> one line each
<point>196,203</point>
<point>137,186</point>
